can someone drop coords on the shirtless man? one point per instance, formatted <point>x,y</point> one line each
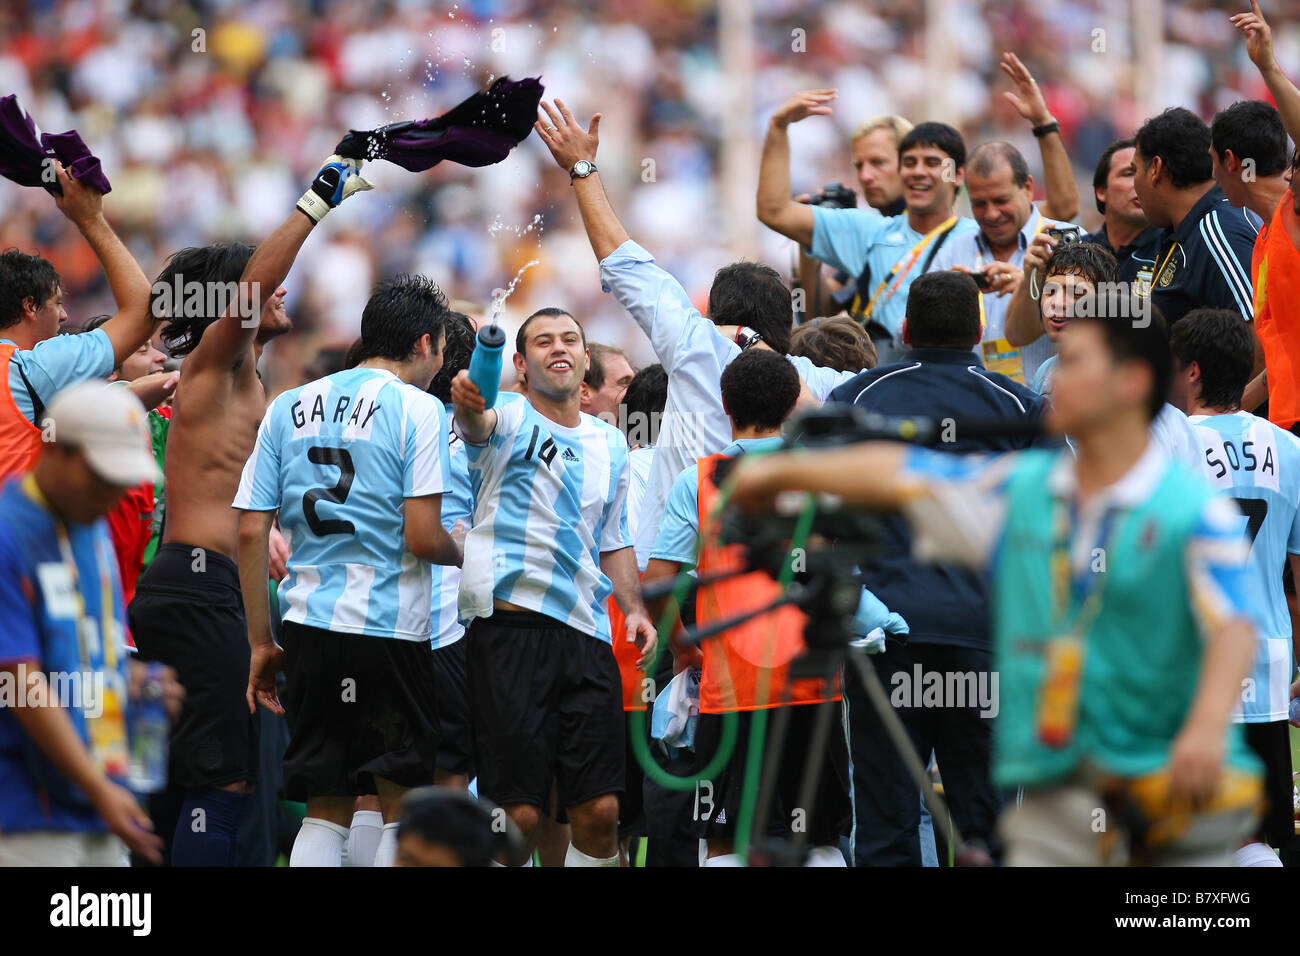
<point>188,611</point>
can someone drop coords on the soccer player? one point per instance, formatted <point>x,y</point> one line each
<point>187,610</point>
<point>1156,734</point>
<point>355,465</point>
<point>1258,465</point>
<point>455,763</point>
<point>760,389</point>
<point>548,544</point>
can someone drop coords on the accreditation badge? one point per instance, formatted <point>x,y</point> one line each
<point>1058,696</point>
<point>1002,357</point>
<point>1142,281</point>
<point>106,729</point>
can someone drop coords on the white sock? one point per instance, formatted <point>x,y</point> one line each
<point>1255,854</point>
<point>726,859</point>
<point>825,856</point>
<point>386,855</point>
<point>575,857</point>
<point>319,843</point>
<point>363,837</point>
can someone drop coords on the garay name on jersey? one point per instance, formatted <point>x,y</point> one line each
<point>362,411</point>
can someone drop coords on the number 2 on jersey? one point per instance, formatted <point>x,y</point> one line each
<point>342,460</point>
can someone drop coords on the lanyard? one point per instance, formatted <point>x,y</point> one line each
<point>1156,275</point>
<point>107,635</point>
<point>1063,582</point>
<point>900,270</point>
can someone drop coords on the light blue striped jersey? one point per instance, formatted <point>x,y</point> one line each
<point>1258,464</point>
<point>549,500</point>
<point>457,504</point>
<point>337,457</point>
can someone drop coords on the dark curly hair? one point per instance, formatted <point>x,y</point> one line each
<point>399,311</point>
<point>759,389</point>
<point>24,277</point>
<point>219,265</point>
<point>1223,346</point>
<point>459,329</point>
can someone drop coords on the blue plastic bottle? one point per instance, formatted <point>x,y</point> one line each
<point>485,363</point>
<point>150,731</point>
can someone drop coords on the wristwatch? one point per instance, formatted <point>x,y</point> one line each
<point>745,337</point>
<point>581,169</point>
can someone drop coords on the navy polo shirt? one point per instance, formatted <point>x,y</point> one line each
<point>942,604</point>
<point>1203,264</point>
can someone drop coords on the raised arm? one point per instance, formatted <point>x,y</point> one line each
<point>1058,175</point>
<point>655,300</point>
<point>568,143</point>
<point>776,209</point>
<point>1024,323</point>
<point>1259,46</point>
<point>228,340</point>
<point>131,326</point>
<point>870,474</point>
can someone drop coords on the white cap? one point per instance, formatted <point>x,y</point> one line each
<point>108,424</point>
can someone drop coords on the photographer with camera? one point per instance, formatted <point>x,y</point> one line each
<point>945,605</point>
<point>1084,552</point>
<point>759,391</point>
<point>883,253</point>
<point>874,147</point>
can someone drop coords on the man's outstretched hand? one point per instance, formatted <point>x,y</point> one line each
<point>802,105</point>
<point>565,138</point>
<point>1259,35</point>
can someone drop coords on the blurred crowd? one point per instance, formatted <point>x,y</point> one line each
<point>209,115</point>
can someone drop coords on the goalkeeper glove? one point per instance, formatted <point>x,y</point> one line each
<point>336,180</point>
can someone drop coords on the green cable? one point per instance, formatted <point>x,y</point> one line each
<point>637,718</point>
<point>758,729</point>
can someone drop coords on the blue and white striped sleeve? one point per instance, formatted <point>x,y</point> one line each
<point>614,534</point>
<point>1228,238</point>
<point>1219,576</point>
<point>426,462</point>
<point>259,485</point>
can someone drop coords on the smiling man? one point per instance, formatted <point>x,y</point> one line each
<point>1001,193</point>
<point>883,253</point>
<point>549,542</point>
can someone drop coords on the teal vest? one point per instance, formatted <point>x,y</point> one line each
<point>1143,652</point>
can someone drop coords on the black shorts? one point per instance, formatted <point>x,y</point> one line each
<point>547,706</point>
<point>1272,742</point>
<point>359,707</point>
<point>631,811</point>
<point>717,804</point>
<point>451,684</point>
<point>188,613</point>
